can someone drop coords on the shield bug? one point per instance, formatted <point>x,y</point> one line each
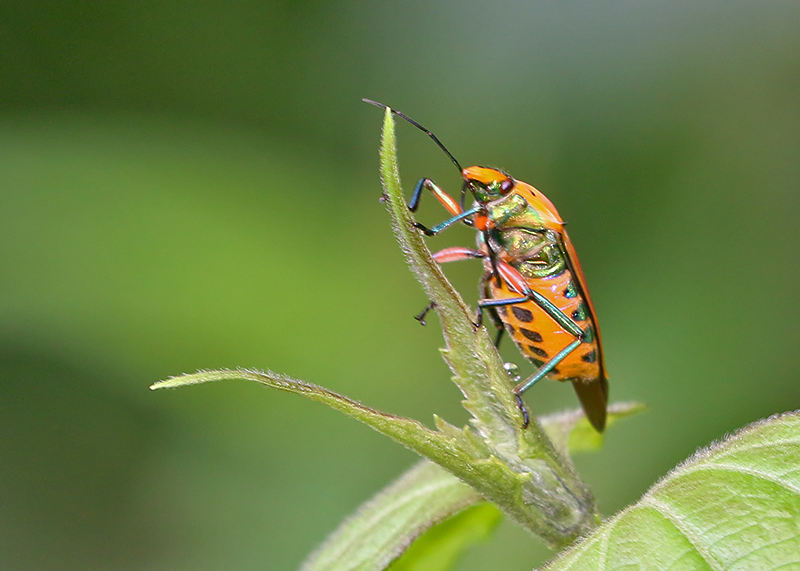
<point>533,286</point>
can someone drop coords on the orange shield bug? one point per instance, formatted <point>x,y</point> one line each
<point>533,285</point>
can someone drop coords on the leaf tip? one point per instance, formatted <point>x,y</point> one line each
<point>158,385</point>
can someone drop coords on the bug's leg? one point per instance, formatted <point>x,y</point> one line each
<point>547,367</point>
<point>421,316</point>
<point>444,199</point>
<point>499,337</point>
<point>493,316</point>
<point>490,305</point>
<point>498,324</point>
<point>456,254</point>
<point>447,223</point>
<point>526,419</point>
<point>543,370</point>
<point>448,255</point>
<point>513,373</point>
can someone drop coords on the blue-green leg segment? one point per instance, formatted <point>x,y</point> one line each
<point>559,316</point>
<point>417,196</point>
<point>547,367</point>
<point>543,370</point>
<point>447,223</point>
<point>446,200</point>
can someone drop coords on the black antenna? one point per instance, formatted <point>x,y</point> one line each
<point>418,126</point>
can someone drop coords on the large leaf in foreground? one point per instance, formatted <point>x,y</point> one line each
<point>733,506</point>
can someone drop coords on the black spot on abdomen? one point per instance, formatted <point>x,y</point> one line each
<point>534,336</point>
<point>522,314</point>
<point>538,352</point>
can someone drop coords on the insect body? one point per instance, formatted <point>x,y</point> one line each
<point>533,285</point>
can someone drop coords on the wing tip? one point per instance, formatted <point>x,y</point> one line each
<point>594,399</point>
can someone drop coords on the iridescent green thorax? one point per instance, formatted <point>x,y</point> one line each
<point>535,254</point>
<point>518,230</point>
<point>508,207</point>
<point>514,210</point>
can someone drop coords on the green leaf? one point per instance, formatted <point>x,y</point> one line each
<point>444,448</point>
<point>440,547</point>
<point>383,528</point>
<point>732,506</point>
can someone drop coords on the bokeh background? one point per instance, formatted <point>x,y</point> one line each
<point>191,185</point>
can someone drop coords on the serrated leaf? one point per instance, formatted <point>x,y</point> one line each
<point>732,506</point>
<point>383,528</point>
<point>538,505</point>
<point>439,447</point>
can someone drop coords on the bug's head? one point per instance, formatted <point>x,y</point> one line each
<point>486,184</point>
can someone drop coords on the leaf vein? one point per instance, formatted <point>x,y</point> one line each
<point>787,565</point>
<point>666,512</point>
<point>761,548</point>
<point>600,537</point>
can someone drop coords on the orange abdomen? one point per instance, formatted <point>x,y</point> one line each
<point>539,337</point>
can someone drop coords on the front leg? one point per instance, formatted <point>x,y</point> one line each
<point>445,199</point>
<point>447,223</point>
<point>453,207</point>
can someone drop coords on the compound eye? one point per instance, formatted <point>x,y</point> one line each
<point>506,186</point>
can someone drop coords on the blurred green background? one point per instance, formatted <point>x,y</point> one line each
<point>194,185</point>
